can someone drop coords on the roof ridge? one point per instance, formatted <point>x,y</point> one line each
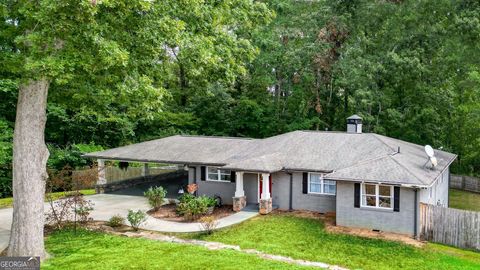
<point>215,136</point>
<point>376,136</point>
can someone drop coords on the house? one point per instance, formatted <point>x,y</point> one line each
<point>368,180</point>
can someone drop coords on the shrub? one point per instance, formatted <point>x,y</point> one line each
<point>211,202</point>
<point>208,224</point>
<point>83,209</point>
<point>155,196</point>
<point>208,201</point>
<point>116,221</point>
<point>62,210</point>
<point>136,218</point>
<point>191,207</point>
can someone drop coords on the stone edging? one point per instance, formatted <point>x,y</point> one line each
<point>219,246</point>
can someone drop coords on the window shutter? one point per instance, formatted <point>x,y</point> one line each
<point>396,199</point>
<point>233,177</point>
<point>356,203</point>
<point>305,183</point>
<point>203,173</point>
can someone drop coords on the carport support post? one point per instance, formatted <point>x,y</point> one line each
<point>102,180</point>
<point>145,170</point>
<point>239,201</point>
<point>265,200</point>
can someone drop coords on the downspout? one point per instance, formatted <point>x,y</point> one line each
<point>415,212</point>
<point>195,174</point>
<point>290,203</point>
<point>195,179</point>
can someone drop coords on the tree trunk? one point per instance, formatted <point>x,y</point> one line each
<point>30,156</point>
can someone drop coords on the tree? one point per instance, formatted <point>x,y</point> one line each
<point>111,53</point>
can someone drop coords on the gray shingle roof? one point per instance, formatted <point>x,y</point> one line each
<point>343,156</point>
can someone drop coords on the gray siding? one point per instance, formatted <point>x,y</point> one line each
<point>385,220</point>
<point>250,187</point>
<point>281,190</point>
<point>300,201</point>
<point>437,194</point>
<point>225,190</point>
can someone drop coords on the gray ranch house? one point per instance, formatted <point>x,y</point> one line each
<point>368,180</point>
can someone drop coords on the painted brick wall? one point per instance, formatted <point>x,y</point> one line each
<point>385,220</point>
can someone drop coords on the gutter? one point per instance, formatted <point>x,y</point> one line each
<point>155,161</point>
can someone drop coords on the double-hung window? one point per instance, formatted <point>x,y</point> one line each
<point>318,185</point>
<point>378,196</point>
<point>216,174</point>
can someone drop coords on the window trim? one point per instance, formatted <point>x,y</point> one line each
<point>377,196</point>
<point>207,177</point>
<point>322,185</point>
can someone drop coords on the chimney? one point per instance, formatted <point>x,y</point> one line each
<point>354,124</point>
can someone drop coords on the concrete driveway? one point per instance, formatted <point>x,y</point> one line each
<point>107,205</point>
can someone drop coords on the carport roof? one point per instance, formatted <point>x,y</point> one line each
<point>340,155</point>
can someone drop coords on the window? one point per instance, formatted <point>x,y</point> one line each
<point>378,196</point>
<point>216,174</point>
<point>318,185</point>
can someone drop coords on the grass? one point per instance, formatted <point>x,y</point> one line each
<point>94,250</point>
<point>305,238</point>
<point>464,200</point>
<point>8,202</point>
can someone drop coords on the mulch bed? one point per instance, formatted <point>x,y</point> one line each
<point>168,212</point>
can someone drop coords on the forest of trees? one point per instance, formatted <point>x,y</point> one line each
<point>411,69</point>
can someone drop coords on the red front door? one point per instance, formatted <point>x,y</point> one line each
<point>260,185</point>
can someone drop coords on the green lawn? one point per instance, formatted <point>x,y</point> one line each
<point>94,250</point>
<point>8,202</point>
<point>464,200</point>
<point>305,238</point>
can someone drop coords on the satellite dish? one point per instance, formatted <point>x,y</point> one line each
<point>429,151</point>
<point>431,156</point>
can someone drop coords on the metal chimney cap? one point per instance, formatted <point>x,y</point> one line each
<point>354,117</point>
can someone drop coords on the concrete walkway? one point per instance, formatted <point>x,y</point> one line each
<point>107,205</point>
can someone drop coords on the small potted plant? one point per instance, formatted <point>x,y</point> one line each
<point>211,203</point>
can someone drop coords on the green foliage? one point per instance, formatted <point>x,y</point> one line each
<point>209,201</point>
<point>192,207</point>
<point>72,250</point>
<point>155,196</point>
<point>116,221</point>
<point>6,136</point>
<point>136,218</point>
<point>244,68</point>
<point>70,156</point>
<point>464,200</point>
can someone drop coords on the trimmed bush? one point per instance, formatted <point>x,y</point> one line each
<point>155,196</point>
<point>116,221</point>
<point>192,207</point>
<point>136,218</point>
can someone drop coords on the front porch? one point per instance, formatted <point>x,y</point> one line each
<point>264,191</point>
